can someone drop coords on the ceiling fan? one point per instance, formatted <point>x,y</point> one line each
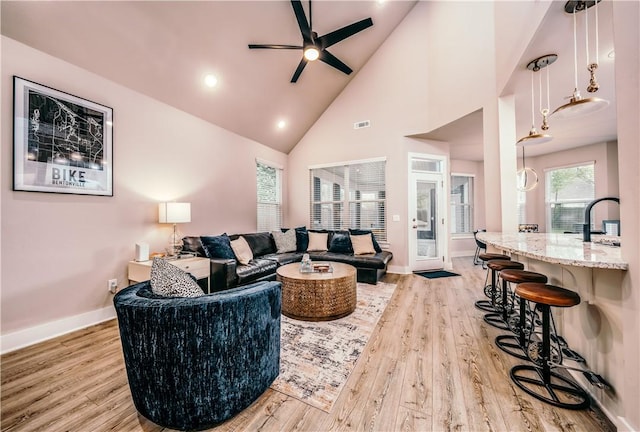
<point>315,47</point>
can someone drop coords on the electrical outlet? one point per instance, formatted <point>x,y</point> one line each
<point>112,286</point>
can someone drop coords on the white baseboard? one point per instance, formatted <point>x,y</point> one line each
<point>621,423</point>
<point>467,253</point>
<point>32,335</point>
<point>398,269</point>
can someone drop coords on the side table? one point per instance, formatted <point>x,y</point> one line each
<point>140,271</point>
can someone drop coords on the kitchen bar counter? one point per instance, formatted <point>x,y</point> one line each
<point>564,249</point>
<point>595,271</point>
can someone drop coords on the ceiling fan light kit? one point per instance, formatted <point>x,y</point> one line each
<point>314,47</point>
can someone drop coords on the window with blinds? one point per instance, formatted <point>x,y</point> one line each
<point>269,186</point>
<point>352,195</point>
<point>522,207</point>
<point>568,191</point>
<point>461,204</point>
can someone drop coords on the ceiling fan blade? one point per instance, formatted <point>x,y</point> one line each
<point>345,32</point>
<point>302,20</point>
<point>299,70</point>
<point>332,60</point>
<point>271,46</point>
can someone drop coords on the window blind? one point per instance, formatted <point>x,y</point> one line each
<point>269,199</point>
<point>352,195</point>
<point>461,204</point>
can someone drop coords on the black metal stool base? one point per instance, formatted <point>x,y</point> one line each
<point>510,345</point>
<point>485,305</point>
<point>559,391</point>
<point>495,320</point>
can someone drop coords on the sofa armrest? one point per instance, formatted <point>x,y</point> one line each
<point>223,274</point>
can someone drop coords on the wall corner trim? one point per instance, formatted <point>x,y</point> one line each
<point>42,332</point>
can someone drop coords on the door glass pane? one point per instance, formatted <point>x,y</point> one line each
<point>427,165</point>
<point>425,220</point>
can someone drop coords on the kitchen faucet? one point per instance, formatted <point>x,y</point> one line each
<point>586,227</point>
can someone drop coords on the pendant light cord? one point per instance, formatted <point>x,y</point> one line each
<point>540,92</point>
<point>586,32</point>
<point>548,103</point>
<point>597,36</point>
<point>533,118</point>
<point>575,52</point>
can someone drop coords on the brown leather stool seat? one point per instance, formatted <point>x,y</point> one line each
<point>495,265</point>
<point>549,295</point>
<point>522,276</point>
<point>500,264</point>
<point>539,380</point>
<point>492,256</point>
<point>516,344</point>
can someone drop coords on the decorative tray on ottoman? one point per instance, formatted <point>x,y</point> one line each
<point>317,268</point>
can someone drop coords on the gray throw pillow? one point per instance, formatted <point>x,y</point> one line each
<point>169,281</point>
<point>285,241</point>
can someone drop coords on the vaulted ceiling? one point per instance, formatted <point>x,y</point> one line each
<point>165,49</point>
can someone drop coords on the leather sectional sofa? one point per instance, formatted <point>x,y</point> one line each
<point>227,272</point>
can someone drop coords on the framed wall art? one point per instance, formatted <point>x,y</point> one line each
<point>61,143</point>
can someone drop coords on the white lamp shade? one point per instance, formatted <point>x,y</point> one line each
<point>172,212</point>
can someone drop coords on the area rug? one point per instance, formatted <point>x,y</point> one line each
<point>436,274</point>
<point>316,358</point>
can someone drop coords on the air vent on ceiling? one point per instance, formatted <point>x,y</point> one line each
<point>362,124</point>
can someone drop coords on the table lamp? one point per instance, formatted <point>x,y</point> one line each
<point>174,213</point>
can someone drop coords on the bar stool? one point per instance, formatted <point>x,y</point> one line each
<point>485,305</point>
<point>539,380</point>
<point>515,344</point>
<point>495,318</point>
<point>479,246</point>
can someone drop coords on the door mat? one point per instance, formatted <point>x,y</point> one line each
<point>318,357</point>
<point>436,274</point>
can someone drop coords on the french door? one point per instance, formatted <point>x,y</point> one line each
<point>427,228</point>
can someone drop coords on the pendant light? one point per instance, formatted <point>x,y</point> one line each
<point>526,177</point>
<point>534,136</point>
<point>577,105</point>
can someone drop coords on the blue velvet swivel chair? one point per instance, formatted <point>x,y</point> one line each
<point>195,362</point>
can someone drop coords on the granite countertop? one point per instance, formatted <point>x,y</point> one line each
<point>565,249</point>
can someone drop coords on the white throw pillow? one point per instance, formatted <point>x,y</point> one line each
<point>317,242</point>
<point>242,250</point>
<point>169,281</point>
<point>285,241</point>
<point>362,244</point>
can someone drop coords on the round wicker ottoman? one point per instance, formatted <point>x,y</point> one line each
<point>318,296</point>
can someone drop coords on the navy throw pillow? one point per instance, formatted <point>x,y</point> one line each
<point>302,238</point>
<point>218,246</point>
<point>376,246</point>
<point>340,242</point>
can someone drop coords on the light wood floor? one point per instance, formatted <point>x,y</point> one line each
<point>430,365</point>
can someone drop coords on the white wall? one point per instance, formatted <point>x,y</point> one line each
<point>402,92</point>
<point>626,16</point>
<point>58,251</point>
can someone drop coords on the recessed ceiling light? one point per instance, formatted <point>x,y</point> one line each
<point>210,80</point>
<point>282,124</point>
